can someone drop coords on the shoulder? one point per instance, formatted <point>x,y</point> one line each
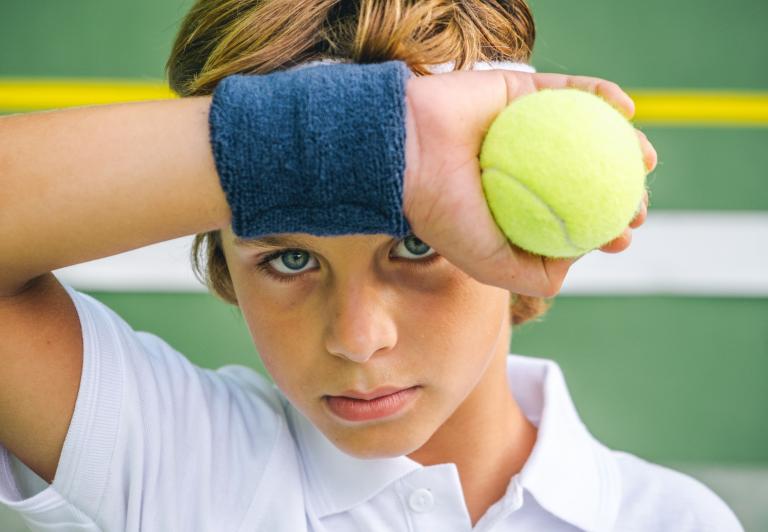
<point>240,391</point>
<point>142,374</point>
<point>149,420</point>
<point>107,333</point>
<point>655,497</point>
<point>251,384</point>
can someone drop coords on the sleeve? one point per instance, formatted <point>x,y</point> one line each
<point>155,442</point>
<point>665,499</point>
<point>706,510</point>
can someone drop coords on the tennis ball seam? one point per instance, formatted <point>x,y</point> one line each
<point>560,221</point>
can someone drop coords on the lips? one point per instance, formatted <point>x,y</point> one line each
<point>373,394</point>
<point>380,403</point>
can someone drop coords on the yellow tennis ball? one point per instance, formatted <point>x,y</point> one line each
<point>562,171</point>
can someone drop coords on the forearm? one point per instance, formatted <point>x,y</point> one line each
<point>90,182</point>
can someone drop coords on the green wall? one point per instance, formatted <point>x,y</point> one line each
<point>656,43</point>
<point>672,379</point>
<point>657,375</point>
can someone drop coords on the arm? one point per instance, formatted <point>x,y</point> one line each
<point>77,185</point>
<point>91,182</point>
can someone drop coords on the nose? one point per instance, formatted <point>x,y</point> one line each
<point>359,322</point>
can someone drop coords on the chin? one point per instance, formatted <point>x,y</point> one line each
<point>370,443</point>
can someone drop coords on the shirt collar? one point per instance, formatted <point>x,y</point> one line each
<point>570,474</point>
<point>337,481</point>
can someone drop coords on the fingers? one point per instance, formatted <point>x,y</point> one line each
<point>623,241</point>
<point>608,90</point>
<point>545,275</point>
<point>518,271</point>
<point>642,213</point>
<point>620,243</point>
<point>650,157</point>
<point>556,270</point>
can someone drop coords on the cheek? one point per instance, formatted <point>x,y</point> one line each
<point>457,323</point>
<point>284,338</point>
<point>284,325</point>
<point>276,314</point>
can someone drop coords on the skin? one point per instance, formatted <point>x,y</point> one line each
<point>371,314</point>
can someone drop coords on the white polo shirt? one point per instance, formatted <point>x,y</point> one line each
<point>159,444</point>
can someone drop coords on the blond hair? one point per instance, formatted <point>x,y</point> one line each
<point>218,38</point>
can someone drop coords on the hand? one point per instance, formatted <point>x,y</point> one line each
<point>622,242</point>
<point>447,117</point>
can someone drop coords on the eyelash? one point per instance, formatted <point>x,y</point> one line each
<point>264,266</point>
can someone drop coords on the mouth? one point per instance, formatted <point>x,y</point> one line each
<point>380,403</point>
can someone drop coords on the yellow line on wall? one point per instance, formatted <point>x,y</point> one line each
<point>662,107</point>
<point>701,108</point>
<point>22,95</point>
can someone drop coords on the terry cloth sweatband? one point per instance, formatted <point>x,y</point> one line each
<point>313,150</point>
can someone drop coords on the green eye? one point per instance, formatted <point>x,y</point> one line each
<point>295,259</point>
<point>411,247</point>
<point>288,262</point>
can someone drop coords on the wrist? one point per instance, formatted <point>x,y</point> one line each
<point>319,150</point>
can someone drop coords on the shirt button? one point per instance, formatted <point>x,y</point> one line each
<point>421,500</point>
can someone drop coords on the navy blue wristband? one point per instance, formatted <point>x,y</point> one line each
<point>317,150</point>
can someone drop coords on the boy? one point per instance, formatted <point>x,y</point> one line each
<point>396,406</point>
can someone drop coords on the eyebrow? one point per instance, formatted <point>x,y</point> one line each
<point>272,242</point>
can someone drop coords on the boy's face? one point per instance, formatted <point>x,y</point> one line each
<point>355,314</point>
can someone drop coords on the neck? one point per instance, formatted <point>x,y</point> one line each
<point>503,440</point>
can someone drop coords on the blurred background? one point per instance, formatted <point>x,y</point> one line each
<point>664,347</point>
